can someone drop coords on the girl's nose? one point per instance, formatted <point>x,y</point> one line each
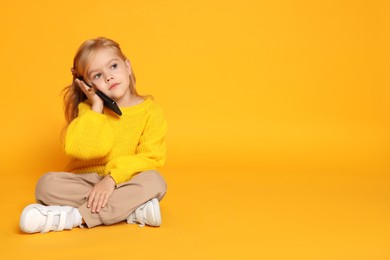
<point>109,77</point>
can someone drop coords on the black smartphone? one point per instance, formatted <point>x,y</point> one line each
<point>108,102</point>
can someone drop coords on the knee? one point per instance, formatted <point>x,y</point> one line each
<point>44,190</point>
<point>157,182</point>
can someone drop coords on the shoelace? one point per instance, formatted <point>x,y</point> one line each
<point>50,221</point>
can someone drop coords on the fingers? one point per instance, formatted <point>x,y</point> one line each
<point>96,201</point>
<point>91,197</point>
<point>98,197</point>
<point>90,92</point>
<point>105,201</point>
<point>95,204</point>
<point>85,88</point>
<point>100,202</point>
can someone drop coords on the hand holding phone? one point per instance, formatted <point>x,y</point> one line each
<point>108,102</point>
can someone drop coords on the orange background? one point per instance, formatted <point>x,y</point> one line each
<point>278,113</point>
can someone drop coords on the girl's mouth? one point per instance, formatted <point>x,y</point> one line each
<point>113,86</point>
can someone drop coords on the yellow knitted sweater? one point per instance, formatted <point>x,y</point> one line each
<point>119,146</point>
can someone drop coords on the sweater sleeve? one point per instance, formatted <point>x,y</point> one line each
<point>88,136</point>
<point>150,153</point>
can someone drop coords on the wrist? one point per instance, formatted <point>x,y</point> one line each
<point>97,108</point>
<point>110,179</point>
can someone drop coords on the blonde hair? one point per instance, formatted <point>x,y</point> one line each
<point>73,95</point>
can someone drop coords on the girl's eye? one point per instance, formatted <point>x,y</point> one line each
<point>114,66</point>
<point>98,75</point>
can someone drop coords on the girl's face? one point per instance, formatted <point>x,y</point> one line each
<point>110,74</point>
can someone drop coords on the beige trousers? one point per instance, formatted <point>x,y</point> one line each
<point>69,189</point>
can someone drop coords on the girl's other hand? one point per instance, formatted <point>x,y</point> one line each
<point>96,101</point>
<point>100,193</point>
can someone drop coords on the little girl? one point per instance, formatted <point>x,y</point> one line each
<point>111,175</point>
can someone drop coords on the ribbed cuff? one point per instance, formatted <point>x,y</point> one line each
<point>119,175</point>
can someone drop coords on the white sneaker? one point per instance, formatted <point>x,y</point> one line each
<point>146,214</point>
<point>39,218</point>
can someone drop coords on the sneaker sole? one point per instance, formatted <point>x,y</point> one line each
<point>156,210</point>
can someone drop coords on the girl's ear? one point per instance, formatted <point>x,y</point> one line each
<point>128,66</point>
